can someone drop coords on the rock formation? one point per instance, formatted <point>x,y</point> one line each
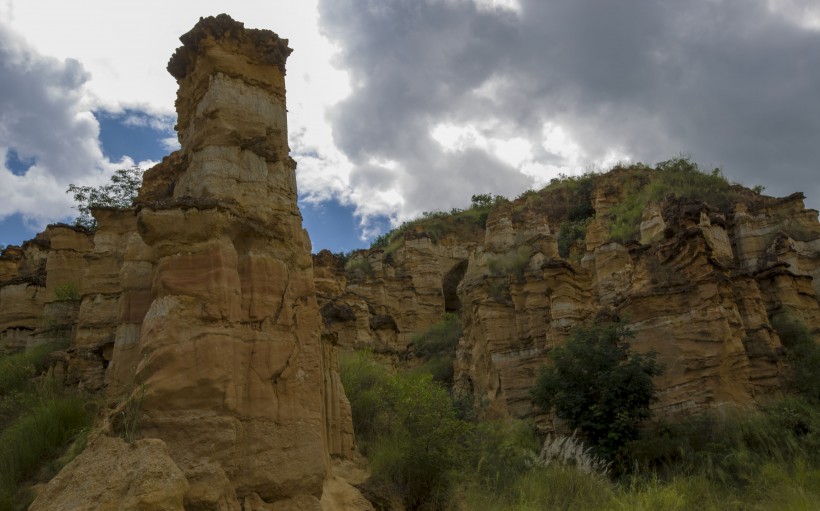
<point>701,289</point>
<point>196,310</point>
<point>201,316</point>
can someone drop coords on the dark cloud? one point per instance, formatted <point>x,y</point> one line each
<point>733,83</point>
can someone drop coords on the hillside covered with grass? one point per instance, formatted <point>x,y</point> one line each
<point>568,203</point>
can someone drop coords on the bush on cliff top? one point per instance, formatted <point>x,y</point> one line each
<point>678,177</point>
<point>438,224</point>
<point>119,193</point>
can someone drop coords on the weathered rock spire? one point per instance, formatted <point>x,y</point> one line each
<point>220,329</point>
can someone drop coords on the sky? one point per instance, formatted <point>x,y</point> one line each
<point>397,107</point>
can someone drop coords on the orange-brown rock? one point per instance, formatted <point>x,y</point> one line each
<point>198,308</point>
<point>380,300</point>
<point>39,296</point>
<point>701,288</point>
<point>112,475</point>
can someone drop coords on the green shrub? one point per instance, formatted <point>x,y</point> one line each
<point>363,381</point>
<point>66,292</point>
<point>358,266</point>
<point>407,426</point>
<point>18,370</point>
<point>119,193</point>
<point>570,233</point>
<point>513,263</point>
<point>441,338</point>
<point>437,347</point>
<point>499,451</point>
<point>37,419</point>
<point>412,431</point>
<point>440,367</point>
<point>731,449</point>
<point>598,387</point>
<point>421,453</point>
<point>803,354</point>
<point>437,224</point>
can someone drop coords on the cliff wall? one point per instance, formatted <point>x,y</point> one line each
<point>698,283</point>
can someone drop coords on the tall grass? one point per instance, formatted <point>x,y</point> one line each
<point>18,370</point>
<point>766,460</point>
<point>37,420</point>
<point>513,263</point>
<point>421,448</point>
<point>410,429</point>
<point>38,435</point>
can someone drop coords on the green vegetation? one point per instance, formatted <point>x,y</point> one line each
<point>120,193</point>
<point>418,443</point>
<point>513,263</point>
<point>428,448</point>
<point>66,292</point>
<point>568,201</point>
<point>597,386</point>
<point>803,353</point>
<point>127,421</point>
<point>678,177</point>
<point>358,266</point>
<point>569,234</point>
<point>437,225</point>
<point>755,461</point>
<point>38,420</point>
<point>437,347</point>
<point>18,369</point>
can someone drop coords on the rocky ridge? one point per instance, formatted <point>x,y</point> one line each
<point>699,283</point>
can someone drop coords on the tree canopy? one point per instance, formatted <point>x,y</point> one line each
<point>119,193</point>
<point>598,386</point>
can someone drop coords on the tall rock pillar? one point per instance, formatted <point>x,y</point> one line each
<point>231,365</point>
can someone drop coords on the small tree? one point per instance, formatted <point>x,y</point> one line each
<point>598,387</point>
<point>120,193</point>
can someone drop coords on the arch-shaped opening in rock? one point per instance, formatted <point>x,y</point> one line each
<point>449,286</point>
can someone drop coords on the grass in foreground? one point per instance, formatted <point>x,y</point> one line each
<point>423,447</point>
<point>38,420</point>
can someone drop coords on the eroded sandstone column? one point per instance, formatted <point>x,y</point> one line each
<point>230,351</point>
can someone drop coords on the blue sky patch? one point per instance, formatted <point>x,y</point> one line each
<point>331,225</point>
<point>17,164</point>
<point>133,134</point>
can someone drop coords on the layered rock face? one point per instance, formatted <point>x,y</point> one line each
<point>40,288</point>
<point>230,353</point>
<point>384,298</point>
<point>196,311</point>
<point>701,288</point>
